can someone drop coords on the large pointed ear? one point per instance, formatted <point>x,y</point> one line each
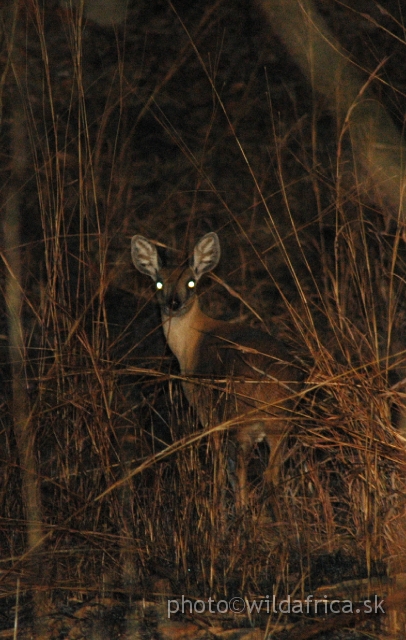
<point>206,254</point>
<point>145,256</point>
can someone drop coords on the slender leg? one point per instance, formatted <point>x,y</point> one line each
<point>243,452</point>
<point>271,474</point>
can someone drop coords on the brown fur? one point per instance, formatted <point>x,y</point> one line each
<point>232,372</point>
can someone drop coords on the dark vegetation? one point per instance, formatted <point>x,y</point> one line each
<point>191,118</point>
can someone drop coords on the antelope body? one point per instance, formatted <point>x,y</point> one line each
<point>232,372</point>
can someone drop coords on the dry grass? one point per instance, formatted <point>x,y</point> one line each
<point>126,133</point>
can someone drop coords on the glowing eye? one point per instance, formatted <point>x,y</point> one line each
<point>191,284</point>
<point>159,285</point>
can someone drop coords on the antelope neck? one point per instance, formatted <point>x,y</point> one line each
<point>183,333</point>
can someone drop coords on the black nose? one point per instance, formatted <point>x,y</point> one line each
<point>174,303</point>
